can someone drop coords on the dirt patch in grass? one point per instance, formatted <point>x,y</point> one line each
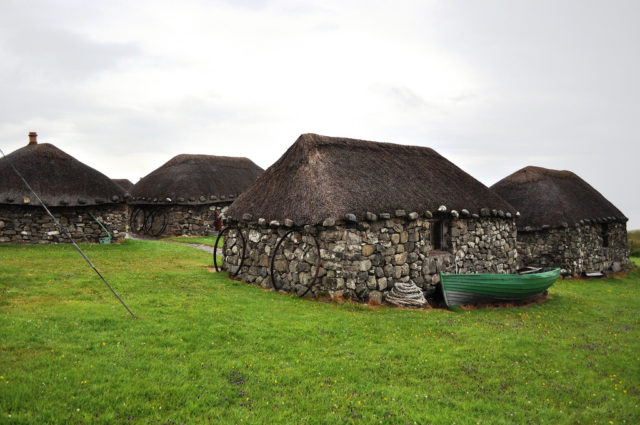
<point>511,304</point>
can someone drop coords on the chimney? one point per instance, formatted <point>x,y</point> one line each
<point>33,138</point>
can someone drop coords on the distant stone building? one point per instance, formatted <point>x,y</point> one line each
<point>74,192</point>
<point>565,222</point>
<point>186,195</point>
<point>352,219</point>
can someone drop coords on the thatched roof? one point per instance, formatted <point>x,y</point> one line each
<point>323,177</point>
<point>554,198</point>
<point>196,179</point>
<point>58,178</point>
<point>123,183</point>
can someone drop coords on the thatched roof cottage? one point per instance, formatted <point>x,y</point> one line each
<point>354,218</point>
<point>72,190</point>
<point>124,184</point>
<point>186,195</point>
<point>565,222</point>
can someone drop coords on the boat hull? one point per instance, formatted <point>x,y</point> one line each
<point>460,289</point>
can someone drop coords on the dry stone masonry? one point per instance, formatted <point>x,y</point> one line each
<point>197,220</point>
<point>585,247</point>
<point>30,224</point>
<point>364,260</point>
<point>178,220</point>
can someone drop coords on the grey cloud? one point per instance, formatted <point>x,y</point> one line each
<point>54,56</point>
<point>248,4</point>
<point>170,127</point>
<point>401,96</point>
<point>463,98</point>
<point>40,46</point>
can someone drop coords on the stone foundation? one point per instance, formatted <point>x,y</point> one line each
<point>181,220</point>
<point>30,224</point>
<point>577,249</point>
<point>364,260</point>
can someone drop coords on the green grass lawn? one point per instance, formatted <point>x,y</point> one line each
<point>205,349</point>
<point>202,240</point>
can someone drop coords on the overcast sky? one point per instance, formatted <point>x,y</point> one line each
<point>494,86</point>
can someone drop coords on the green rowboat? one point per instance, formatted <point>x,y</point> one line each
<point>461,289</point>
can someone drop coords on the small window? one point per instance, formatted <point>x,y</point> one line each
<point>439,234</point>
<point>605,235</point>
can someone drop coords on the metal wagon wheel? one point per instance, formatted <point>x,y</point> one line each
<point>275,252</point>
<point>156,223</point>
<point>148,221</point>
<point>215,249</point>
<point>137,219</point>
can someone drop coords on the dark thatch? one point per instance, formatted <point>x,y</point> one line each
<point>323,177</point>
<point>123,183</point>
<point>58,178</point>
<point>553,198</point>
<point>196,179</point>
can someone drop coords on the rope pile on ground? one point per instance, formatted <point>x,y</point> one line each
<point>406,294</point>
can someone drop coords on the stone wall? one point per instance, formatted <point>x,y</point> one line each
<point>364,260</point>
<point>190,220</point>
<point>576,249</point>
<point>30,224</point>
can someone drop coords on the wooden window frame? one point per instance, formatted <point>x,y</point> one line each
<point>440,230</point>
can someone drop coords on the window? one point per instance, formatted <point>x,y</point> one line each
<point>605,235</point>
<point>439,234</point>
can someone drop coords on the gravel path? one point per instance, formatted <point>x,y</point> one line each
<point>206,248</point>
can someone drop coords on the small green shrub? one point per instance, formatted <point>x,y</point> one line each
<point>634,242</point>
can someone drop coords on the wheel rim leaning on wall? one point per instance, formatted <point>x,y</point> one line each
<point>301,288</point>
<point>156,223</point>
<point>136,220</point>
<point>237,237</point>
<point>151,222</point>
